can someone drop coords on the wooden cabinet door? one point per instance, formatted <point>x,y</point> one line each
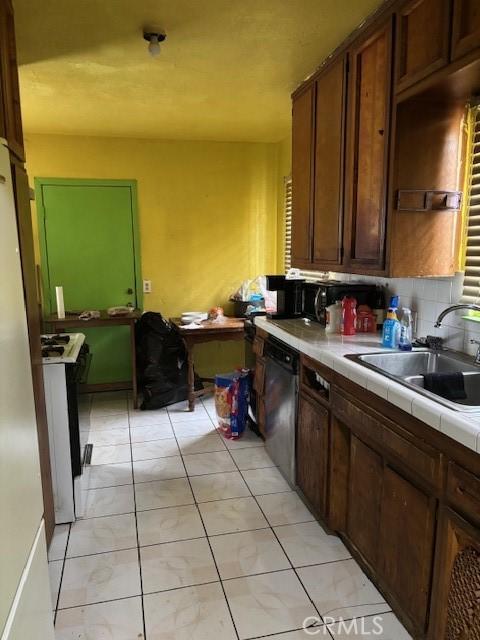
<point>405,542</point>
<point>456,596</point>
<point>364,499</point>
<point>466,27</point>
<point>368,150</point>
<point>312,452</point>
<point>329,166</point>
<point>302,178</point>
<point>10,89</point>
<point>423,34</point>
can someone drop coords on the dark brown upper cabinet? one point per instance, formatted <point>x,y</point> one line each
<point>329,165</point>
<point>302,177</point>
<point>466,27</point>
<point>368,129</point>
<point>10,92</point>
<point>380,121</point>
<point>423,40</point>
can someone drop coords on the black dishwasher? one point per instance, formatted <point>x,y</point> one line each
<point>281,390</point>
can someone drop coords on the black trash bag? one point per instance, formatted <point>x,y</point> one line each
<point>162,370</point>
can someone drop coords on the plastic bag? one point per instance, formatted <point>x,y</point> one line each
<point>231,402</point>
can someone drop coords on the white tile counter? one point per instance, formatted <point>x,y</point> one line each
<point>330,349</point>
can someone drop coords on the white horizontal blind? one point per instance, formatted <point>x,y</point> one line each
<point>309,275</point>
<point>471,282</point>
<point>288,223</point>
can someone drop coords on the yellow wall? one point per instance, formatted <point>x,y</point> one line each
<point>207,214</point>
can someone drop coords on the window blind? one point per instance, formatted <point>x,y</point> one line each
<point>471,282</point>
<point>288,223</point>
<point>309,275</point>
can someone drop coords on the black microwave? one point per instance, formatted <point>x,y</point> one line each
<point>320,295</point>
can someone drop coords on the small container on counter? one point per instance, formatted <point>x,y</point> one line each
<point>366,321</point>
<point>349,316</point>
<point>333,318</point>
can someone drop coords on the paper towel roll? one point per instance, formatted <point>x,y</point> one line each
<point>60,303</point>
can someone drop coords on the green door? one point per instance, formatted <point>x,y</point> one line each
<point>89,248</point>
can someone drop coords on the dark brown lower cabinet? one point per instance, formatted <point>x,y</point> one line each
<point>391,523</point>
<point>364,497</point>
<point>456,597</point>
<point>404,498</point>
<point>406,544</point>
<point>312,452</point>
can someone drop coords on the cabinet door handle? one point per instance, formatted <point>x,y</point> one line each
<point>3,179</point>
<point>381,131</point>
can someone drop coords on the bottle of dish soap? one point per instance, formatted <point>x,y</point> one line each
<point>405,340</point>
<point>391,326</point>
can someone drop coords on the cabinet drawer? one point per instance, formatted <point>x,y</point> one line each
<point>346,411</point>
<point>392,439</point>
<point>423,459</point>
<point>312,380</point>
<point>463,491</point>
<point>258,344</point>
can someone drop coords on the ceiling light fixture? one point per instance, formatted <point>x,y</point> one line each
<point>154,38</point>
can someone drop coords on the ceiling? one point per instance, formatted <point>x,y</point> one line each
<point>225,72</point>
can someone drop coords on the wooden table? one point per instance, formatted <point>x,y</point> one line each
<point>208,331</point>
<point>72,322</point>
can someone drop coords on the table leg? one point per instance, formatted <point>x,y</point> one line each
<point>191,377</point>
<point>134,365</point>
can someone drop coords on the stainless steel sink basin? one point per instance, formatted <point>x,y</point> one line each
<point>408,368</point>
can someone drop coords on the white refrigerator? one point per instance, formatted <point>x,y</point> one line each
<point>25,601</point>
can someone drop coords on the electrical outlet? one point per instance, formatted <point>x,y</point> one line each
<point>147,286</point>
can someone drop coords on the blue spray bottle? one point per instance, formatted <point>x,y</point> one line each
<point>391,326</point>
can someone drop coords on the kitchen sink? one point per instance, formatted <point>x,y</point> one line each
<point>409,367</point>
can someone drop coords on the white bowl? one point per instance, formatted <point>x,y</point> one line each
<point>194,316</point>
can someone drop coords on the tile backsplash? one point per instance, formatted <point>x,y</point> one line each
<point>428,297</point>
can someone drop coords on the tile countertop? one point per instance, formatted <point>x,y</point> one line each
<point>330,349</point>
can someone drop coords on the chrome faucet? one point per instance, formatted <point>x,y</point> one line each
<point>477,355</point>
<point>455,307</point>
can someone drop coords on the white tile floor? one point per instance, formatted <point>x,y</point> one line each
<point>192,537</point>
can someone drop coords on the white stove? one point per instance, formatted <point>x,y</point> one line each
<point>61,348</point>
<point>65,365</point>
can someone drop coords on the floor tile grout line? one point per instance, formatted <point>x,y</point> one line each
<point>213,535</point>
<point>281,633</point>
<point>278,541</point>
<point>89,604</point>
<point>136,528</point>
<point>286,554</point>
<point>61,574</point>
<point>211,551</point>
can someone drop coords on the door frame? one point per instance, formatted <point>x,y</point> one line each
<point>63,182</point>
